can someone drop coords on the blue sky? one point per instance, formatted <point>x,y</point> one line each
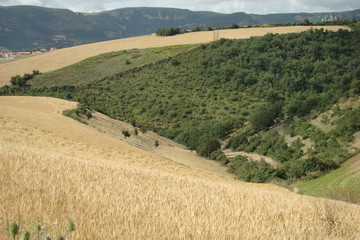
<point>222,6</point>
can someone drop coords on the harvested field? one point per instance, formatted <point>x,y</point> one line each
<point>67,56</point>
<point>52,168</point>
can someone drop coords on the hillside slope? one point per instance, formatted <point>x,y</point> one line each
<point>53,167</point>
<point>166,148</point>
<point>342,183</point>
<point>67,56</point>
<point>30,27</point>
<point>234,90</point>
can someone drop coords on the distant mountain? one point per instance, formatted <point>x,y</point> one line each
<point>28,27</point>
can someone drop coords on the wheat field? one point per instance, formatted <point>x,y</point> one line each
<point>67,56</point>
<point>53,168</point>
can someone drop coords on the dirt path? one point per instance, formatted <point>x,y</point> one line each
<point>67,56</point>
<point>254,156</point>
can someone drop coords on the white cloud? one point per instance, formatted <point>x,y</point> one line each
<point>20,2</point>
<point>225,6</point>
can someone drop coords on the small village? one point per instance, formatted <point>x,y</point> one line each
<point>13,55</point>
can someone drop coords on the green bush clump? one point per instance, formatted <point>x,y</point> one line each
<point>347,125</point>
<point>263,116</point>
<point>136,131</point>
<point>168,31</point>
<point>22,81</point>
<point>219,156</point>
<point>251,171</point>
<point>207,147</point>
<point>125,133</point>
<point>79,113</point>
<point>15,228</point>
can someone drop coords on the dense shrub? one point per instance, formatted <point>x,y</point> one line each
<point>22,81</point>
<point>168,31</point>
<point>251,171</point>
<point>79,113</point>
<point>207,146</point>
<point>263,116</point>
<point>219,156</point>
<point>125,133</point>
<point>348,124</point>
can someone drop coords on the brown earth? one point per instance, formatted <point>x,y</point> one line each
<point>67,56</point>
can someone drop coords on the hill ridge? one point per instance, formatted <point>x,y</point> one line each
<point>23,27</point>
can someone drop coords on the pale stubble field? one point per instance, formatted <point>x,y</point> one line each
<point>52,168</point>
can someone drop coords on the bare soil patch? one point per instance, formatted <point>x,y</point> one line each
<point>351,102</point>
<point>325,121</point>
<point>308,143</point>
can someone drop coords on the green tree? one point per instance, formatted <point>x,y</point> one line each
<point>234,26</point>
<point>126,133</point>
<point>307,22</point>
<point>168,31</point>
<point>207,146</point>
<point>18,81</point>
<point>196,29</point>
<point>263,116</point>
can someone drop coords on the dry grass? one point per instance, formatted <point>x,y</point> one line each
<point>167,148</point>
<point>67,56</point>
<point>52,167</point>
<point>350,194</point>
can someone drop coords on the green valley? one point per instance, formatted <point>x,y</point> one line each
<point>253,95</point>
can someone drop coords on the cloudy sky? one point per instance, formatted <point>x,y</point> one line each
<point>224,6</point>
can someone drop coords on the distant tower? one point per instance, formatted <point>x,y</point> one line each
<point>216,35</point>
